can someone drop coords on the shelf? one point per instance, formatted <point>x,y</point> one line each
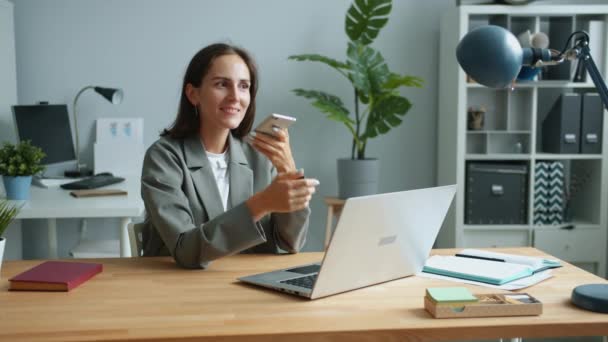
<point>542,84</point>
<point>542,156</point>
<point>576,224</point>
<point>532,9</point>
<point>556,156</point>
<point>485,227</point>
<point>497,132</point>
<point>508,132</point>
<point>471,227</point>
<point>498,156</point>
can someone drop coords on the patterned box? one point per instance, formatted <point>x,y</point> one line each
<point>549,193</point>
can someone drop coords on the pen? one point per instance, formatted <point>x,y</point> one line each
<point>479,257</point>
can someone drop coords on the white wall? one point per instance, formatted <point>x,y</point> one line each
<point>144,46</point>
<point>8,97</point>
<point>8,83</point>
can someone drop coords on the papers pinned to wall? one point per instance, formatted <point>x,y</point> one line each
<point>120,130</point>
<point>120,146</point>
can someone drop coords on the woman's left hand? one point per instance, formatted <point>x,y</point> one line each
<point>276,149</point>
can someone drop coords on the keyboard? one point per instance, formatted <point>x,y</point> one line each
<point>92,182</point>
<point>305,282</point>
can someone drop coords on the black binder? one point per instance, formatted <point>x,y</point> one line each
<point>560,29</point>
<point>561,127</point>
<point>592,113</point>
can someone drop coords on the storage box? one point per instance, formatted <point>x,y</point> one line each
<point>496,193</point>
<point>549,197</point>
<point>489,305</point>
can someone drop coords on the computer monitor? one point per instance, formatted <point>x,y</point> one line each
<point>48,127</point>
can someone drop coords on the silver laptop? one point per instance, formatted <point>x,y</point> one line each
<point>378,238</point>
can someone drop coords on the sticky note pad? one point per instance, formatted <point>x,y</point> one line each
<point>450,295</point>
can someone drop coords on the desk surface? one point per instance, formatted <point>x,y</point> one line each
<point>56,202</point>
<point>151,299</point>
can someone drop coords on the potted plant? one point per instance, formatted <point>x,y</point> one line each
<point>7,214</point>
<point>17,165</point>
<point>376,92</point>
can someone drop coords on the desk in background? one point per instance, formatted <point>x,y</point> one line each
<point>152,299</point>
<point>334,209</point>
<point>56,203</point>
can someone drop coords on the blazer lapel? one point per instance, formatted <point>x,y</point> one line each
<point>202,176</point>
<point>241,176</point>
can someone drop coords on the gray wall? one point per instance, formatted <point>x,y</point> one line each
<point>144,46</point>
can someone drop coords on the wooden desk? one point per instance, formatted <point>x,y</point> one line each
<point>334,208</point>
<point>151,299</point>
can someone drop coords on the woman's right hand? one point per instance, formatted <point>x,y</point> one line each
<point>288,192</point>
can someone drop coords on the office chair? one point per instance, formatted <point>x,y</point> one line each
<point>135,239</point>
<point>89,248</point>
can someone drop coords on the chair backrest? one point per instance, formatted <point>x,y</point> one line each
<point>135,239</point>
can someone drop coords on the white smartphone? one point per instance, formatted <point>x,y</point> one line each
<point>274,120</point>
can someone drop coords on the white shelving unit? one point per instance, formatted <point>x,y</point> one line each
<point>512,132</point>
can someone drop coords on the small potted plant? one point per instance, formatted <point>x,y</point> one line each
<point>7,214</point>
<point>18,163</point>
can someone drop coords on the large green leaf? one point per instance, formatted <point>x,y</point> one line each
<point>369,71</point>
<point>395,81</point>
<point>319,58</point>
<point>386,114</point>
<point>328,104</point>
<point>365,18</point>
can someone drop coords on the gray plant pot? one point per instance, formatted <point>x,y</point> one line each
<point>357,177</point>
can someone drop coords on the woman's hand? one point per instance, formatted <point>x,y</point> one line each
<point>288,192</point>
<point>276,149</point>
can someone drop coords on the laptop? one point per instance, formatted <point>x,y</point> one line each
<point>378,238</point>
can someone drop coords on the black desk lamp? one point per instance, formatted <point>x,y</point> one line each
<point>492,56</point>
<point>111,94</point>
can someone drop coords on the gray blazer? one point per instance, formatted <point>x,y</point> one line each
<point>184,213</point>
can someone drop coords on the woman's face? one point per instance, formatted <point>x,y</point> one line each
<point>223,97</point>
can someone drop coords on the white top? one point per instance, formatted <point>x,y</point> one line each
<point>219,166</point>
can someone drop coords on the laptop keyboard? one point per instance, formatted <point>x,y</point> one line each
<point>305,269</point>
<point>305,282</point>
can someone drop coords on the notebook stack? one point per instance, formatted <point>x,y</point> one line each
<point>487,267</point>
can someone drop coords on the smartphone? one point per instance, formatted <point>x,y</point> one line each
<point>274,120</point>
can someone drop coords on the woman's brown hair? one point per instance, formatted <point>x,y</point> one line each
<point>187,121</point>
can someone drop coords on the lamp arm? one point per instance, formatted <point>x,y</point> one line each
<point>585,57</point>
<point>77,152</point>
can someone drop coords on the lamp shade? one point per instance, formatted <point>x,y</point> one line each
<point>491,55</point>
<point>113,95</point>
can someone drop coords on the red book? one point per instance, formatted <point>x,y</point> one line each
<point>55,276</point>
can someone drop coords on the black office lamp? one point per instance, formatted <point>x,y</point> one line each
<point>111,94</point>
<point>492,56</point>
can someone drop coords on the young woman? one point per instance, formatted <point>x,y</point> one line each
<point>210,187</point>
